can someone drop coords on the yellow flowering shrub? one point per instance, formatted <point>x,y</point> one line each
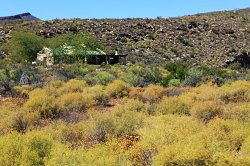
<point>75,102</point>
<point>174,105</point>
<point>117,89</point>
<point>153,93</point>
<point>206,111</point>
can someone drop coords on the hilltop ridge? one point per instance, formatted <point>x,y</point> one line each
<point>20,17</point>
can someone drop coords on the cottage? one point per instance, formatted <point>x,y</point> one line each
<point>97,56</point>
<point>46,57</point>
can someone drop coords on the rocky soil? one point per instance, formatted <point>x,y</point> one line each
<point>214,39</point>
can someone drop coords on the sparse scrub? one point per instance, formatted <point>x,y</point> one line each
<point>153,93</point>
<point>206,111</point>
<point>117,89</point>
<point>174,105</point>
<point>72,123</point>
<point>43,103</point>
<point>72,86</point>
<point>75,102</point>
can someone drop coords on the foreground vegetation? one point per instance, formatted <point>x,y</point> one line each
<point>72,123</point>
<point>78,114</point>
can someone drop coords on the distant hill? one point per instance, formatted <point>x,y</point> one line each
<point>20,17</point>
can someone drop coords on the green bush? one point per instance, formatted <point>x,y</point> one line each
<point>194,77</point>
<point>174,83</point>
<point>178,70</point>
<point>235,66</point>
<point>24,46</point>
<point>103,78</point>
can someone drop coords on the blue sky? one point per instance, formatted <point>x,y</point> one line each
<point>51,9</point>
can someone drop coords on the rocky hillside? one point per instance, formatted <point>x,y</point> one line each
<point>215,39</point>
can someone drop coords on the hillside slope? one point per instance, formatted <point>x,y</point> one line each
<point>216,39</point>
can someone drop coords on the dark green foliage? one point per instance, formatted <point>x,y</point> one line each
<point>184,41</point>
<point>176,51</point>
<point>235,66</point>
<point>103,78</point>
<point>194,78</point>
<point>178,70</point>
<point>20,124</point>
<point>5,80</point>
<point>24,46</point>
<point>174,83</point>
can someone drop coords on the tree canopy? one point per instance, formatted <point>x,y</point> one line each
<point>24,46</point>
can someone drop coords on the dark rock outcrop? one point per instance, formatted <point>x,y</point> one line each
<point>20,17</point>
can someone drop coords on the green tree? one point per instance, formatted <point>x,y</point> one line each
<point>24,46</point>
<point>178,70</point>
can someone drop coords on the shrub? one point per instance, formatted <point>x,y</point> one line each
<point>118,123</point>
<point>40,148</point>
<point>117,89</point>
<point>79,134</point>
<point>106,154</point>
<point>225,135</point>
<point>103,78</point>
<point>153,93</point>
<point>246,146</point>
<point>159,131</point>
<point>235,95</point>
<point>73,86</point>
<point>24,46</point>
<point>23,90</point>
<point>101,98</point>
<point>126,123</point>
<point>61,155</point>
<point>174,83</point>
<point>207,111</point>
<point>74,71</point>
<point>235,66</point>
<point>182,154</point>
<point>31,149</point>
<point>24,120</point>
<point>178,70</point>
<point>133,79</point>
<point>194,78</point>
<point>136,93</point>
<point>240,112</point>
<point>8,111</point>
<point>174,105</point>
<point>43,103</point>
<point>75,102</point>
<point>134,105</point>
<point>11,148</point>
<point>5,79</point>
